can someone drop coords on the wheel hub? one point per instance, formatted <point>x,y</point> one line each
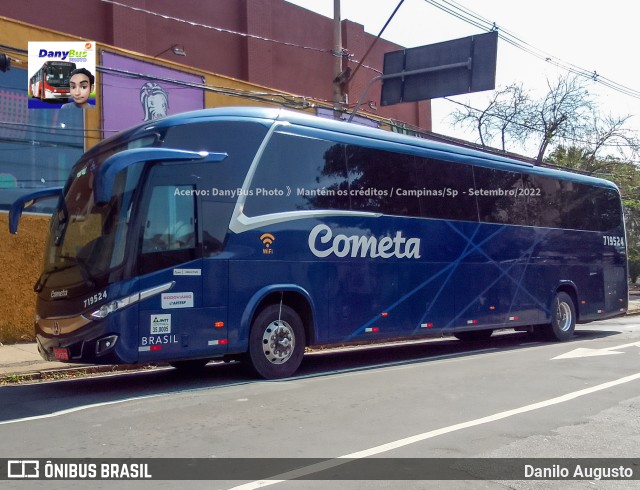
<point>278,342</point>
<point>563,316</point>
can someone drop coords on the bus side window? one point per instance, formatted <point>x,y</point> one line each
<point>374,177</point>
<point>446,190</point>
<point>170,222</point>
<point>314,170</point>
<point>500,196</point>
<point>609,212</point>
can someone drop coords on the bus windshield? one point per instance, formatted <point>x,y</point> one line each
<point>87,240</point>
<point>57,75</point>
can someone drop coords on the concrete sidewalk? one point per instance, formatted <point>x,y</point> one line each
<point>21,362</point>
<point>24,358</point>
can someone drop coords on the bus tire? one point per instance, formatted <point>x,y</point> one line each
<point>473,335</point>
<point>276,342</point>
<point>563,319</point>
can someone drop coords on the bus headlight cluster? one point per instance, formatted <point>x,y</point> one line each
<point>106,310</point>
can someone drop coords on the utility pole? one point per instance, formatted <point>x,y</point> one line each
<point>338,95</point>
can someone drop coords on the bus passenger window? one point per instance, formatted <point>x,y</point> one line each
<point>312,169</point>
<point>170,222</point>
<point>500,195</point>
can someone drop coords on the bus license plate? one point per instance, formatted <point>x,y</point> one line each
<point>61,354</point>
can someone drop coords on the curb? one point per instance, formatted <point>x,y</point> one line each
<point>73,372</point>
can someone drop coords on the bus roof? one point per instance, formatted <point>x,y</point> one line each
<point>459,153</point>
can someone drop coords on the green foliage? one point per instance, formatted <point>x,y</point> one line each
<point>634,269</point>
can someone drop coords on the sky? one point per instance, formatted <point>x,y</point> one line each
<point>592,36</point>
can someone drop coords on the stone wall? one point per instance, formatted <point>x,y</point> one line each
<point>21,257</point>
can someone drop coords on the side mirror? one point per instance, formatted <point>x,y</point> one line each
<point>27,200</point>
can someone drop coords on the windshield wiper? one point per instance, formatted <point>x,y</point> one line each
<point>44,277</point>
<point>82,265</point>
<point>62,224</point>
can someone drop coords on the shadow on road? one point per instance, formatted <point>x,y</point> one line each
<point>35,400</point>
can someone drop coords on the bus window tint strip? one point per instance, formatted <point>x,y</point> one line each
<point>302,173</point>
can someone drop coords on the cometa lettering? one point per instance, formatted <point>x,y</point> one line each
<point>322,244</point>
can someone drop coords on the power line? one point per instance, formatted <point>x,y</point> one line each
<point>218,29</point>
<point>286,100</point>
<point>537,130</point>
<point>373,43</point>
<point>238,33</point>
<point>457,10</point>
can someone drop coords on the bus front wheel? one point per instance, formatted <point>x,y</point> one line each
<point>276,342</point>
<point>563,318</point>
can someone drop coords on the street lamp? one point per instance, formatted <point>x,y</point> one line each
<point>177,49</point>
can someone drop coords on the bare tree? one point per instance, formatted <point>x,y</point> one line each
<point>510,116</point>
<point>605,132</point>
<point>478,120</point>
<point>560,115</point>
<point>566,115</point>
<point>504,118</point>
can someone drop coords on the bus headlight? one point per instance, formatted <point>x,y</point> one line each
<point>107,309</point>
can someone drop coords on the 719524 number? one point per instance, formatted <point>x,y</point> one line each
<point>92,300</point>
<point>614,241</point>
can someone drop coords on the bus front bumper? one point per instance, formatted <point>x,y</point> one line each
<point>92,344</point>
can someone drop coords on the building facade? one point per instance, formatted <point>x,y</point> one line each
<point>271,43</point>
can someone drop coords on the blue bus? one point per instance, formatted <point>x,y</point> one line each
<point>254,233</point>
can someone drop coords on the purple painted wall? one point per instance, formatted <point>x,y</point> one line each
<point>129,99</point>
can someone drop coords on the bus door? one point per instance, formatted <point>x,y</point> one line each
<point>175,323</point>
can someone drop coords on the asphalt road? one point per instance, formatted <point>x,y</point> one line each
<point>509,397</point>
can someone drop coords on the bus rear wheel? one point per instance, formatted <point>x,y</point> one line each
<point>473,335</point>
<point>276,342</point>
<point>563,319</point>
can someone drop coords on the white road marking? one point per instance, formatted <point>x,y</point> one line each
<point>315,375</point>
<point>113,402</point>
<point>76,409</point>
<point>587,352</point>
<point>332,463</point>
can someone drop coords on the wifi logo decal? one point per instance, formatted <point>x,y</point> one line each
<point>267,240</point>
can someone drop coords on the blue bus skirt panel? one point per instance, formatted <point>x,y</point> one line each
<point>460,276</point>
<point>190,319</point>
